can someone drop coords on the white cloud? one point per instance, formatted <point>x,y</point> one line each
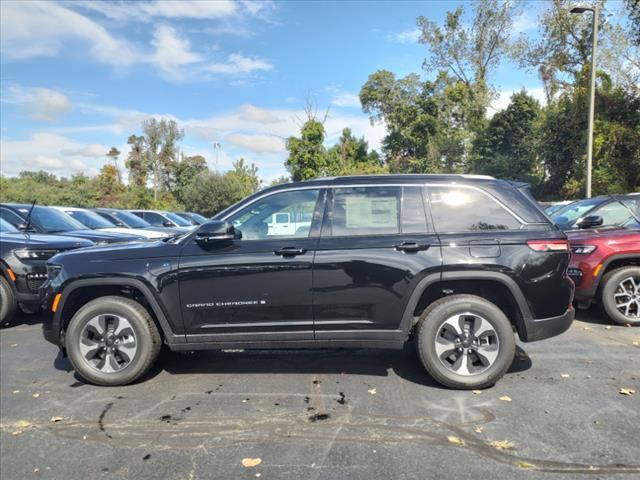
<point>504,98</point>
<point>237,64</point>
<point>31,29</point>
<point>172,52</point>
<point>346,99</point>
<point>256,143</point>
<point>39,103</point>
<point>406,37</point>
<point>145,11</point>
<point>54,153</point>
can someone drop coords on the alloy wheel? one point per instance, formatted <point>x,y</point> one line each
<point>108,343</point>
<point>627,297</point>
<point>467,344</point>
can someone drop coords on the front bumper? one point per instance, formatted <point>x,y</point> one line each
<point>541,328</point>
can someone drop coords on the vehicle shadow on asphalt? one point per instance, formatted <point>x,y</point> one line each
<point>367,362</point>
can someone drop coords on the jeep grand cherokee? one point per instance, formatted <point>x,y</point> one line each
<point>459,262</point>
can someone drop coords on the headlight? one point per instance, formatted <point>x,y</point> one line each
<point>53,271</point>
<point>26,254</point>
<point>583,249</point>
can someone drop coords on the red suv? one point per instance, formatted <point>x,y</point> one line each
<point>605,266</point>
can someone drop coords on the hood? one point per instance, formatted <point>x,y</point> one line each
<point>169,230</point>
<point>122,251</point>
<point>102,237</point>
<point>36,240</point>
<point>579,236</point>
<point>138,232</point>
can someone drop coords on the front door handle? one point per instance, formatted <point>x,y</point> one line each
<point>410,247</point>
<point>290,251</point>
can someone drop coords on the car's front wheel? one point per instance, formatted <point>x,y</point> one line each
<point>112,341</point>
<point>465,341</point>
<point>620,295</point>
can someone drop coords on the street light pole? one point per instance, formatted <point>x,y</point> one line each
<point>592,90</point>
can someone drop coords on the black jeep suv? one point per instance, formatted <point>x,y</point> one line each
<point>23,267</point>
<point>459,262</point>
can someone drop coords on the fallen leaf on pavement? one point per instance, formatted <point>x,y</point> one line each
<point>251,462</point>
<point>16,391</point>
<point>627,391</point>
<point>455,440</point>
<point>523,464</point>
<point>478,429</point>
<point>13,345</point>
<point>372,391</point>
<point>476,392</point>
<point>505,398</point>
<point>636,343</point>
<point>608,327</point>
<point>501,444</point>
<point>564,375</point>
<point>586,328</point>
<point>36,395</point>
<point>56,419</point>
<point>23,424</point>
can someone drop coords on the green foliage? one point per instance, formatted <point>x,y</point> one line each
<point>185,171</point>
<point>246,176</point>
<point>504,150</point>
<point>307,155</point>
<point>211,192</point>
<point>279,181</point>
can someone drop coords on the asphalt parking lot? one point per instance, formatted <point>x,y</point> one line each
<point>368,414</point>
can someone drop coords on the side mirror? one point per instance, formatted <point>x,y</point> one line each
<point>167,223</point>
<point>24,228</point>
<point>590,221</point>
<point>216,231</point>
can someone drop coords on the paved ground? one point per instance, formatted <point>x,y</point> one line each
<point>325,414</point>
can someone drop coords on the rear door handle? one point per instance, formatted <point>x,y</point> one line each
<point>410,247</point>
<point>290,251</point>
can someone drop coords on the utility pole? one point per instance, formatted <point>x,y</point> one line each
<point>595,10</point>
<point>216,149</point>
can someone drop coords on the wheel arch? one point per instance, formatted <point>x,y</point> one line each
<point>616,261</point>
<point>79,292</point>
<point>496,287</point>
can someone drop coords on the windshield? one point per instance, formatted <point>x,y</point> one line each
<point>130,219</point>
<point>575,210</point>
<point>6,227</point>
<point>90,219</point>
<point>50,220</point>
<point>199,218</point>
<point>178,220</point>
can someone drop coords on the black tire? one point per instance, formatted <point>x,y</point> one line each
<point>430,326</point>
<point>147,339</point>
<point>8,302</point>
<point>609,287</point>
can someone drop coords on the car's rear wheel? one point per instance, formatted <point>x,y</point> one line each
<point>7,302</point>
<point>620,295</point>
<point>112,341</point>
<point>465,342</point>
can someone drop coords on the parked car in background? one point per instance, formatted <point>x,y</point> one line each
<point>605,267</point>
<point>96,222</point>
<point>598,212</point>
<point>41,219</point>
<point>459,262</point>
<point>126,219</point>
<point>23,267</point>
<point>554,207</point>
<point>194,218</point>
<point>163,219</point>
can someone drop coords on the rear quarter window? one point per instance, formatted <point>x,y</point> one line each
<point>460,209</point>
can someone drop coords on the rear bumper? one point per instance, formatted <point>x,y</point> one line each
<point>542,328</point>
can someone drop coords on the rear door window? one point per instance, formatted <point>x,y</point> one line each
<point>459,209</point>
<point>357,211</point>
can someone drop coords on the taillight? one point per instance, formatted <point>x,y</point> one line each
<point>549,245</point>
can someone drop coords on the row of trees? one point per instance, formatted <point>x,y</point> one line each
<point>441,125</point>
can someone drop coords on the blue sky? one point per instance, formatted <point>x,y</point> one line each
<point>77,78</point>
